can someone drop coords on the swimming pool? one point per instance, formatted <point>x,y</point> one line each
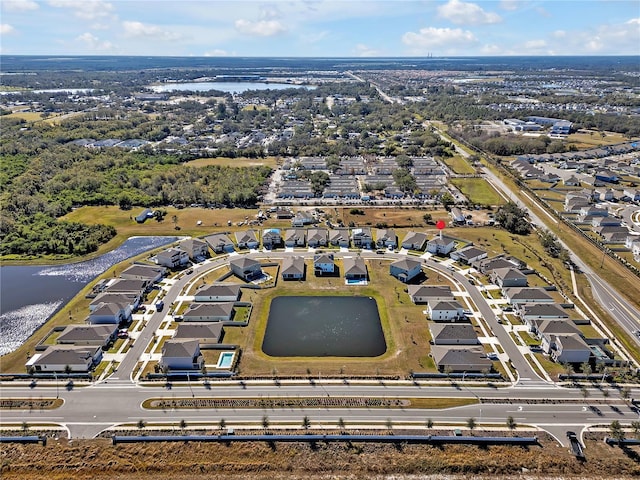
<point>225,360</point>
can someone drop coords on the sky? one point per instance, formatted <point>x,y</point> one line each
<point>320,28</point>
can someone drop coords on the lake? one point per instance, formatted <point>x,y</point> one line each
<point>30,295</point>
<point>324,327</point>
<point>227,87</point>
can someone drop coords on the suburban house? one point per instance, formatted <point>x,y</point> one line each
<point>301,219</point>
<point>540,311</point>
<point>220,243</point>
<point>62,358</point>
<point>149,273</point>
<point>108,314</point>
<point>405,269</point>
<point>515,295</point>
<point>453,334</point>
<point>172,258</point>
<point>123,285</point>
<point>271,238</point>
<point>430,293</point>
<point>218,292</point>
<point>209,312</point>
<point>98,335</point>
<point>182,354</point>
<point>441,245</point>
<point>386,238</point>
<point>444,310</point>
<point>247,239</point>
<point>283,213</point>
<point>460,359</point>
<point>195,248</point>
<point>500,261</point>
<point>549,327</point>
<point>570,349</point>
<point>324,264</point>
<point>468,255</point>
<point>414,240</point>
<point>245,268</point>
<point>205,333</point>
<point>295,237</point>
<point>339,237</point>
<point>362,237</point>
<point>317,237</point>
<point>508,277</point>
<point>292,268</point>
<point>354,268</point>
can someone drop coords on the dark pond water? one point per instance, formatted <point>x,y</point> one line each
<point>30,295</point>
<point>324,327</point>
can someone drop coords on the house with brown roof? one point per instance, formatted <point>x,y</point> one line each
<point>515,295</point>
<point>295,237</point>
<point>195,248</point>
<point>247,239</point>
<point>468,255</point>
<point>246,268</point>
<point>441,245</point>
<point>339,237</point>
<point>324,264</point>
<point>271,238</point>
<point>508,277</point>
<point>386,238</point>
<point>150,273</point>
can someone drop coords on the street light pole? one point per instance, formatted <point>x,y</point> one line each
<point>57,385</point>
<point>189,382</point>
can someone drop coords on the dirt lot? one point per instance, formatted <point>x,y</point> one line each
<point>99,459</point>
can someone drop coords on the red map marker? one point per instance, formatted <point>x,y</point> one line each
<point>440,224</point>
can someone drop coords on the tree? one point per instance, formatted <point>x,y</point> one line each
<point>183,425</point>
<point>265,422</point>
<point>636,428</point>
<point>124,202</point>
<point>428,218</point>
<point>174,219</point>
<point>341,423</point>
<point>306,422</point>
<point>471,424</point>
<point>389,424</point>
<point>141,424</point>
<point>513,219</point>
<point>585,367</point>
<point>429,423</point>
<point>447,200</point>
<point>585,392</point>
<point>617,433</point>
<point>222,424</point>
<point>625,393</point>
<point>511,423</point>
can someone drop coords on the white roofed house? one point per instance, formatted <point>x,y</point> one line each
<point>246,268</point>
<point>468,255</point>
<point>181,354</point>
<point>172,258</point>
<point>247,239</point>
<point>414,240</point>
<point>456,215</point>
<point>218,292</point>
<point>430,293</point>
<point>386,237</point>
<point>445,310</point>
<point>209,312</point>
<point>196,249</point>
<point>317,237</point>
<point>295,237</point>
<point>63,358</point>
<point>405,269</point>
<point>324,264</point>
<point>293,268</point>
<point>441,245</point>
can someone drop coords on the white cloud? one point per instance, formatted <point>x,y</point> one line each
<point>431,37</point>
<point>260,28</point>
<point>135,29</point>
<point>509,5</point>
<point>6,29</point>
<point>362,50</point>
<point>491,49</point>
<point>94,43</point>
<point>462,13</point>
<point>19,5</point>
<point>85,9</point>
<point>559,34</point>
<point>535,44</point>
<point>314,37</point>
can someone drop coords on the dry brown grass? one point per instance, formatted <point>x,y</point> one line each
<point>98,459</point>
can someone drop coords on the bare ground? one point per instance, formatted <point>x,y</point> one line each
<point>99,459</point>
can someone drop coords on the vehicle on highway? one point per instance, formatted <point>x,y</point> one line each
<point>190,271</point>
<point>636,333</point>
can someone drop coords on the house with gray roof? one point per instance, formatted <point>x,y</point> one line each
<point>468,255</point>
<point>293,268</point>
<point>196,249</point>
<point>460,359</point>
<point>446,311</point>
<point>209,312</point>
<point>453,334</point>
<point>317,237</point>
<point>324,264</point>
<point>97,335</point>
<point>499,261</point>
<point>516,295</point>
<point>150,273</point>
<point>181,354</point>
<point>247,239</point>
<point>414,240</point>
<point>295,237</point>
<point>172,258</point>
<point>508,277</point>
<point>355,268</point>
<point>210,333</point>
<point>441,245</point>
<point>540,311</point>
<point>339,237</point>
<point>271,238</point>
<point>246,268</point>
<point>570,349</point>
<point>301,219</point>
<point>386,238</point>
<point>405,269</point>
<point>218,292</point>
<point>60,358</point>
<point>220,243</point>
<point>430,293</point>
<point>362,237</point>
<point>123,285</point>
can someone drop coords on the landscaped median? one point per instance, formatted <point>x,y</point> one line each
<point>307,402</point>
<point>31,404</point>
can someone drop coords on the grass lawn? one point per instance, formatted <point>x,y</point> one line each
<point>459,165</point>
<point>584,140</point>
<point>477,190</point>
<point>233,162</point>
<point>394,217</point>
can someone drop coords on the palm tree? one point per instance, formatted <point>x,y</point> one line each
<point>471,424</point>
<point>183,425</point>
<point>429,423</point>
<point>174,219</point>
<point>585,392</point>
<point>625,393</point>
<point>222,424</point>
<point>141,424</point>
<point>389,424</point>
<point>617,433</point>
<point>306,423</point>
<point>636,428</point>
<point>265,422</point>
<point>511,423</point>
<point>341,423</point>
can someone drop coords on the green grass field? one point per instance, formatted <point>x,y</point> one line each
<point>459,165</point>
<point>477,190</point>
